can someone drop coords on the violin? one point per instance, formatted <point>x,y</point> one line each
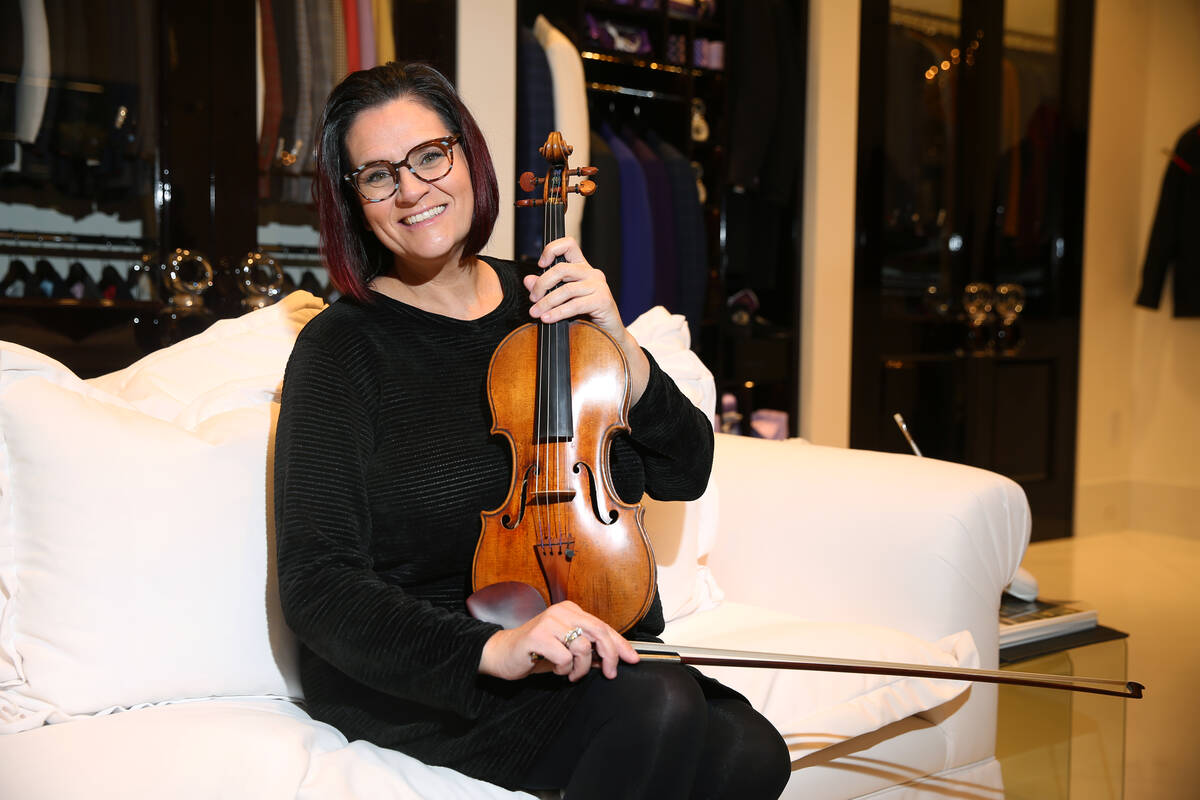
<point>559,393</point>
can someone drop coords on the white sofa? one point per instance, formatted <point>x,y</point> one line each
<point>142,653</point>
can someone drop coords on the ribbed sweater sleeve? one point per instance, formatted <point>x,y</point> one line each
<point>673,438</point>
<point>333,599</point>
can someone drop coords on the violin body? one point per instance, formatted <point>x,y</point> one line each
<point>559,393</point>
<point>563,529</point>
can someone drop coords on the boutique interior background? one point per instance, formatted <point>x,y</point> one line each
<point>1138,422</point>
<point>1139,389</point>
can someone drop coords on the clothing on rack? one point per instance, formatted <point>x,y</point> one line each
<point>366,35</point>
<point>287,31</point>
<point>305,47</point>
<point>1029,177</point>
<point>271,91</point>
<point>666,266</point>
<point>74,126</point>
<point>259,75</point>
<point>570,105</point>
<point>766,104</point>
<point>1175,235</point>
<point>341,55</point>
<point>33,84</point>
<point>296,191</point>
<point>922,121</point>
<point>601,226</point>
<point>353,32</point>
<point>385,38</point>
<point>80,284</point>
<point>18,281</point>
<point>11,57</point>
<point>1009,185</point>
<point>48,282</point>
<point>112,285</point>
<point>637,231</point>
<point>69,266</point>
<point>766,100</point>
<point>535,119</point>
<point>691,246</point>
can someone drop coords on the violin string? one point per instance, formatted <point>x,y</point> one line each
<point>556,232</point>
<point>542,438</point>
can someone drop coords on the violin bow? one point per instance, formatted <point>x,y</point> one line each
<point>707,656</point>
<point>511,603</point>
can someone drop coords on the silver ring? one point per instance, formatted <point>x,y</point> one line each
<point>572,635</point>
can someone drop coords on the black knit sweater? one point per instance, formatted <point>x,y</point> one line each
<point>383,462</point>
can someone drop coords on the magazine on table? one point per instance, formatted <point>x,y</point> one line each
<point>1030,620</point>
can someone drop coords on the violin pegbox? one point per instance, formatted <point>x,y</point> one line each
<point>554,183</point>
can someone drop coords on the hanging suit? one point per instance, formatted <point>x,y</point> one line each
<point>535,120</point>
<point>1175,237</point>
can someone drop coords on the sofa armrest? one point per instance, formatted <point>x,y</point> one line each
<point>914,544</point>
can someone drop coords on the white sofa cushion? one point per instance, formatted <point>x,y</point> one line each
<point>141,449</point>
<point>265,750</point>
<point>134,547</point>
<point>682,534</point>
<point>815,709</point>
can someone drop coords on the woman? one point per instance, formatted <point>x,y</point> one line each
<point>384,461</point>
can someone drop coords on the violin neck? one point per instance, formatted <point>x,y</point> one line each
<point>553,419</point>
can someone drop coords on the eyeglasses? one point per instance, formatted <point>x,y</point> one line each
<point>429,161</point>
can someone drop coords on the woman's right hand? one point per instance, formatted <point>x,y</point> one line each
<point>545,644</point>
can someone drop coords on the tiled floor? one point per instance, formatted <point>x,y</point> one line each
<point>1148,585</point>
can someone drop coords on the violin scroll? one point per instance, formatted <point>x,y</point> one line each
<point>555,184</point>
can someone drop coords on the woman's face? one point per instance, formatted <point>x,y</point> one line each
<point>424,224</point>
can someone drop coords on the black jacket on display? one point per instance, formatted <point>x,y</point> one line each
<point>1175,237</point>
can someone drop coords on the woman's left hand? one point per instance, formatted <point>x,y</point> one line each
<point>584,293</point>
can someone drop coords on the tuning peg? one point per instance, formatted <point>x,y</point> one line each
<point>529,182</point>
<point>585,188</point>
<point>530,203</point>
<point>585,172</point>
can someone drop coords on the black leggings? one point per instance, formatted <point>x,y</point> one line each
<point>651,732</point>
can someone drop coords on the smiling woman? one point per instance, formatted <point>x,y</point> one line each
<point>357,128</point>
<point>423,221</point>
<point>384,460</point>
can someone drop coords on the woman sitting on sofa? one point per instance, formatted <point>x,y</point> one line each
<point>384,461</point>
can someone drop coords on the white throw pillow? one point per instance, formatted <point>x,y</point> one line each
<point>815,709</point>
<point>234,363</point>
<point>134,549</point>
<point>682,534</point>
<point>668,339</point>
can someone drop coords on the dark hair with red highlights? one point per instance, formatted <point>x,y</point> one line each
<point>352,253</point>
